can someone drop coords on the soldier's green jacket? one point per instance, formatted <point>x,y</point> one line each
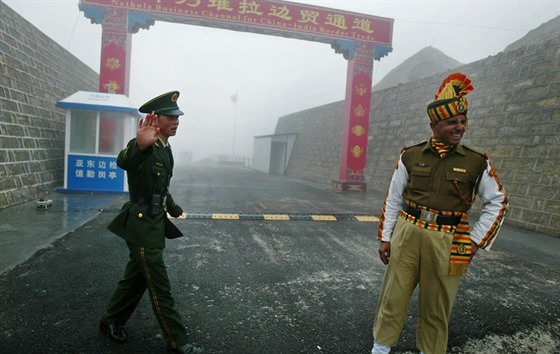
<point>443,184</point>
<point>148,173</point>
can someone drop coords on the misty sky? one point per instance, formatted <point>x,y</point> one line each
<point>275,76</point>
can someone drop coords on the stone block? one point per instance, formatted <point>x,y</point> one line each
<point>554,226</point>
<point>519,164</point>
<point>527,177</point>
<point>548,102</point>
<point>536,217</point>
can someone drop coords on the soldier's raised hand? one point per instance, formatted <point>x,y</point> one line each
<point>148,131</point>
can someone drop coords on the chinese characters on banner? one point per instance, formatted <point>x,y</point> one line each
<point>284,16</point>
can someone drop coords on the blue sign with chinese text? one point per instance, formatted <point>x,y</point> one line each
<point>94,173</point>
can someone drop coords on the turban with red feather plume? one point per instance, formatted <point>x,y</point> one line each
<point>449,99</point>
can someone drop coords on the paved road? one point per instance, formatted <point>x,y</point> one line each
<point>253,286</point>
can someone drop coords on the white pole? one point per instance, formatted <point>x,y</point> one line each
<point>234,128</point>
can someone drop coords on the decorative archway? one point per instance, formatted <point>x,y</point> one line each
<point>360,38</point>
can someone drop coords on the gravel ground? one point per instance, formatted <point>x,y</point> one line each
<point>264,287</point>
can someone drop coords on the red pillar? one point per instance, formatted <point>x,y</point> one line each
<point>114,74</point>
<point>353,151</point>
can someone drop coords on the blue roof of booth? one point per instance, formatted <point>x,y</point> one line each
<point>99,101</point>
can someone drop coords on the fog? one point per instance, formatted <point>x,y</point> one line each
<point>274,76</point>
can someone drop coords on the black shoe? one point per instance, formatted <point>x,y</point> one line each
<point>188,349</point>
<point>116,333</point>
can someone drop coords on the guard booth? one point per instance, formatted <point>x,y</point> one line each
<point>98,126</point>
<point>271,153</point>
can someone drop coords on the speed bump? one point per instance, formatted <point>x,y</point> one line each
<point>218,216</point>
<point>323,218</point>
<point>366,218</point>
<point>182,216</point>
<point>276,217</point>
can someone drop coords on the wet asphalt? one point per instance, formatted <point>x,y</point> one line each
<point>256,286</point>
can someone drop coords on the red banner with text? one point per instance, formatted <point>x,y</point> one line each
<point>281,15</point>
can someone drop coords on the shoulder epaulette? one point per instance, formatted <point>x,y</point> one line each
<point>484,154</point>
<point>409,147</point>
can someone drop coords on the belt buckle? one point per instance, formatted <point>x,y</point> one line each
<point>427,216</point>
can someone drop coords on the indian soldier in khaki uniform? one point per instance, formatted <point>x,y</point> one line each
<point>144,225</point>
<point>425,235</point>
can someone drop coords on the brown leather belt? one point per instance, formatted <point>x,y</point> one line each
<point>432,217</point>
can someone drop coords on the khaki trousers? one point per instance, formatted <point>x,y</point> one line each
<point>418,257</point>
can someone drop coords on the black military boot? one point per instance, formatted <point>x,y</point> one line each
<point>115,332</point>
<point>188,349</point>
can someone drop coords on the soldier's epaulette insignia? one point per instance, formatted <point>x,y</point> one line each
<point>408,147</point>
<point>484,154</point>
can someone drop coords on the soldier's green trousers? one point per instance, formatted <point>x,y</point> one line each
<point>146,270</point>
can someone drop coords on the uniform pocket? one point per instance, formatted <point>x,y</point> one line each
<point>465,180</point>
<point>421,171</point>
<point>421,179</point>
<point>158,170</point>
<point>463,184</point>
<point>462,177</point>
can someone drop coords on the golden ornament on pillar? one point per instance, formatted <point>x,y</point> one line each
<point>112,86</point>
<point>358,130</point>
<point>361,90</point>
<point>113,63</point>
<point>359,111</point>
<point>357,151</point>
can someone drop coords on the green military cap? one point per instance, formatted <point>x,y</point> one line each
<point>163,104</point>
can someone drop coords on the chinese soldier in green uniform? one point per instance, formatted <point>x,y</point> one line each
<point>144,225</point>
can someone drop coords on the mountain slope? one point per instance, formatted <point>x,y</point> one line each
<point>426,62</point>
<point>430,61</point>
<point>547,31</point>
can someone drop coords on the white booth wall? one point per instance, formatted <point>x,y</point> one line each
<point>271,153</point>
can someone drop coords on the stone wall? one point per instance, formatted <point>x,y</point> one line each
<point>514,116</point>
<point>35,73</point>
<point>316,153</point>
